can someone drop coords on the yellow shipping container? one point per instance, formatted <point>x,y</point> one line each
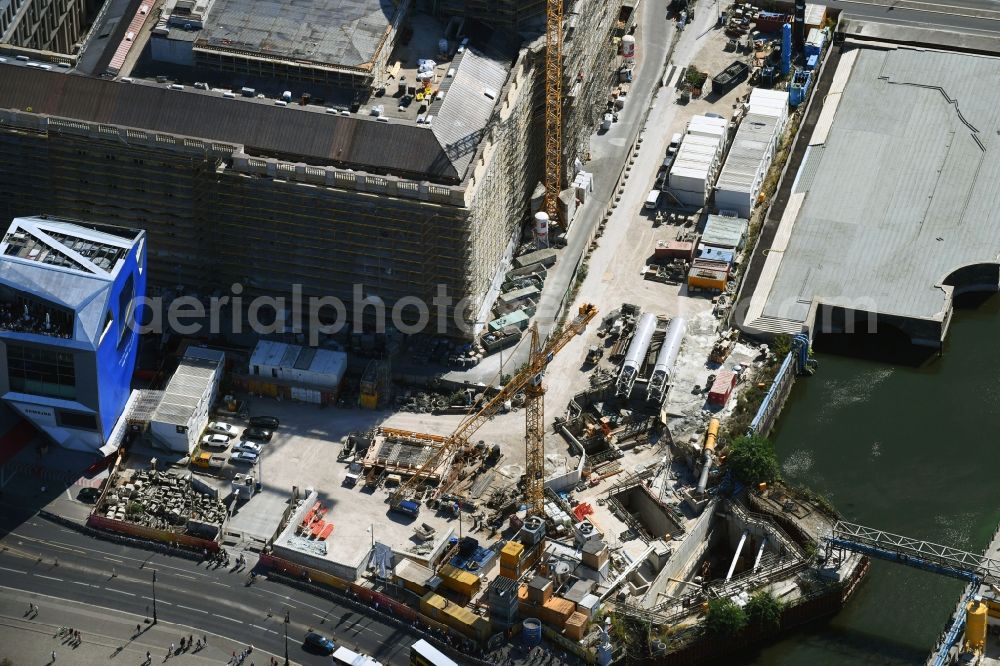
<point>459,580</point>
<point>455,616</point>
<point>510,554</point>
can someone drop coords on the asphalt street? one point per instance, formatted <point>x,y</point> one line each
<point>44,563</point>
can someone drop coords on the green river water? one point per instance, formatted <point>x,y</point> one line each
<point>911,449</point>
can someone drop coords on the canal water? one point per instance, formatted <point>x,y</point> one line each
<point>911,448</point>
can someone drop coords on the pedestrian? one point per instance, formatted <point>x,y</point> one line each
<point>183,640</point>
<point>171,648</point>
<point>190,639</point>
<point>53,655</point>
<point>204,639</point>
<point>149,657</point>
<point>114,572</point>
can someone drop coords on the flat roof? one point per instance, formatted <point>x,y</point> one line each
<point>440,152</point>
<point>188,385</point>
<point>901,191</point>
<point>753,140</point>
<point>333,32</point>
<point>272,354</point>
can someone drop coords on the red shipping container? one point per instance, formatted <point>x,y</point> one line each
<point>674,249</point>
<point>722,388</point>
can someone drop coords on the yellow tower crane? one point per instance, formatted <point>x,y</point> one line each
<point>528,379</point>
<point>553,106</point>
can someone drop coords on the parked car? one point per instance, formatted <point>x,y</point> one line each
<point>269,422</point>
<point>243,458</point>
<point>257,434</point>
<point>319,643</point>
<point>215,441</point>
<point>247,445</point>
<point>89,494</point>
<point>675,144</point>
<point>222,428</point>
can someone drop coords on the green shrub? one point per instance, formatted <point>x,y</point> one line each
<point>724,618</point>
<point>764,610</point>
<point>753,460</point>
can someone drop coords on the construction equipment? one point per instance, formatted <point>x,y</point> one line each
<point>553,106</point>
<point>529,380</point>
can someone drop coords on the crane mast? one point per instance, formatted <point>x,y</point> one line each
<point>528,379</point>
<point>553,106</point>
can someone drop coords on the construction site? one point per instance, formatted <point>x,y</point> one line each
<point>568,467</point>
<point>409,156</point>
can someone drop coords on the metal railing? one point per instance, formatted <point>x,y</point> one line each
<point>925,555</point>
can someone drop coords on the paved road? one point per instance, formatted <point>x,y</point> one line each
<point>212,601</point>
<point>654,36</point>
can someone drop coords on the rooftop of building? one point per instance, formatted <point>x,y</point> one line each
<point>56,276</point>
<point>898,188</point>
<point>345,33</point>
<point>186,388</point>
<point>753,139</point>
<point>272,354</point>
<point>434,140</point>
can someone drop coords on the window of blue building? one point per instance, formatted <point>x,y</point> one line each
<point>41,372</point>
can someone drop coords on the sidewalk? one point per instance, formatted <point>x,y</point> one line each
<point>106,635</point>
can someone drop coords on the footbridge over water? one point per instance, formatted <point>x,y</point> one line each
<point>933,557</point>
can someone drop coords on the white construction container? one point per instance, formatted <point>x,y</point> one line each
<point>746,166</point>
<point>707,126</point>
<point>694,169</point>
<point>772,103</point>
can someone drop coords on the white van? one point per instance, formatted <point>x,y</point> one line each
<point>652,200</point>
<point>675,143</point>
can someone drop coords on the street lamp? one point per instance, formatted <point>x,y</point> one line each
<point>154,596</point>
<point>286,637</point>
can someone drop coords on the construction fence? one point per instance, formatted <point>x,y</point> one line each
<point>153,534</point>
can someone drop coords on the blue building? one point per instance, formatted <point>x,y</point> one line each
<point>69,291</point>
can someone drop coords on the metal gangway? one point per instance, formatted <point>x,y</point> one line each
<point>933,557</point>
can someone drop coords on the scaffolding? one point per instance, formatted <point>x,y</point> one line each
<point>376,384</point>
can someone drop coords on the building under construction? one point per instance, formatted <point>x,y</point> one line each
<point>411,169</point>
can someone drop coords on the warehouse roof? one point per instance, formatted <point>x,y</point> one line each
<point>902,192</point>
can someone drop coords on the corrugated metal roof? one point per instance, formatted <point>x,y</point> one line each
<point>751,148</point>
<point>264,129</point>
<point>725,232</point>
<point>469,102</point>
<point>189,385</point>
<point>906,189</point>
<point>696,156</point>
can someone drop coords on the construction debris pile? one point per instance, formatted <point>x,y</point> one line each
<point>162,500</point>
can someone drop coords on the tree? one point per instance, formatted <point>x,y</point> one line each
<point>724,618</point>
<point>753,460</point>
<point>764,610</point>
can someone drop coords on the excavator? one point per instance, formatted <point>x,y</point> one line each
<point>528,379</point>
